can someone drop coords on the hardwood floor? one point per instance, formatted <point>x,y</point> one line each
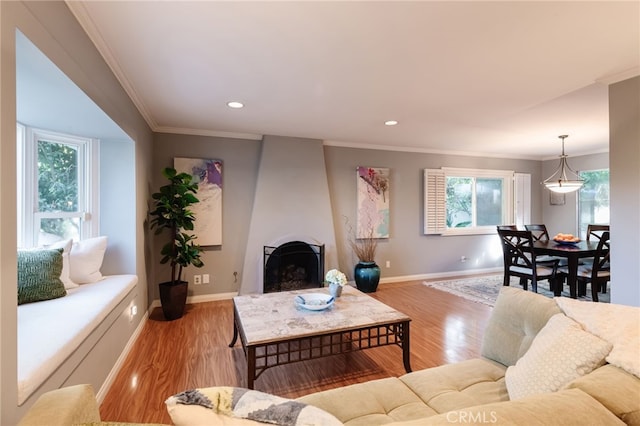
<point>172,356</point>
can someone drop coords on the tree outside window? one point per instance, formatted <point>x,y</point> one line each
<point>593,199</point>
<point>474,202</point>
<point>58,187</point>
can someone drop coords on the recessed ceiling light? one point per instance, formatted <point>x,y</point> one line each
<point>390,123</point>
<point>235,104</point>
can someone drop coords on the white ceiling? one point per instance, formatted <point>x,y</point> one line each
<point>493,78</point>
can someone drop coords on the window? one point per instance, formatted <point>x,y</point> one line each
<point>593,199</point>
<point>57,187</point>
<point>467,201</point>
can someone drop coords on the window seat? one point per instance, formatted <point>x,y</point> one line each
<point>50,331</point>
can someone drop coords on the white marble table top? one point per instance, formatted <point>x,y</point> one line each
<point>275,316</point>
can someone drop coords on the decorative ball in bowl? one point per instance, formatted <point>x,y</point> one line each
<point>314,301</point>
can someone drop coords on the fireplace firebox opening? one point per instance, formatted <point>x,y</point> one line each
<point>292,266</point>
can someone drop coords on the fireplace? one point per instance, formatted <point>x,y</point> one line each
<point>291,203</point>
<point>292,266</point>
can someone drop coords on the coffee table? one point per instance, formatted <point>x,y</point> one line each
<point>275,331</point>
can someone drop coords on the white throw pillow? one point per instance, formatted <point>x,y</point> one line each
<point>65,275</point>
<point>617,324</point>
<point>561,352</point>
<point>85,260</point>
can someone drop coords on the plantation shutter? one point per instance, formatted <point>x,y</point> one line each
<point>435,221</point>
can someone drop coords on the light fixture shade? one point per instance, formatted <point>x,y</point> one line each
<point>564,179</point>
<point>563,187</point>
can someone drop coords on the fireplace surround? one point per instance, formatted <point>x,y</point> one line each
<point>291,203</point>
<point>292,266</point>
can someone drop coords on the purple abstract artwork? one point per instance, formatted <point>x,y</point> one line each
<point>208,212</point>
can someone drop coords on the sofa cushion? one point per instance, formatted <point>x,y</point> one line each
<point>39,275</point>
<point>378,402</point>
<point>65,245</point>
<point>614,388</point>
<point>567,407</point>
<point>65,406</point>
<point>516,319</point>
<point>85,260</point>
<point>216,405</point>
<point>618,324</point>
<point>50,333</point>
<point>455,386</point>
<point>560,353</point>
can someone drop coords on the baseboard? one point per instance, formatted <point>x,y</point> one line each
<point>106,385</point>
<point>199,299</point>
<point>211,297</point>
<point>385,280</point>
<point>440,275</point>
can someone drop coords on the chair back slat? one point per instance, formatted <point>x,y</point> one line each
<point>517,248</point>
<point>595,231</point>
<point>538,232</point>
<point>601,259</point>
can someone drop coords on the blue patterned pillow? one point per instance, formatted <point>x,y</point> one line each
<point>39,275</point>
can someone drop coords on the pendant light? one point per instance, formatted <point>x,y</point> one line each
<point>564,179</point>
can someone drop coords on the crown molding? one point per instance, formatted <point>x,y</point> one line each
<point>79,10</point>
<point>619,76</point>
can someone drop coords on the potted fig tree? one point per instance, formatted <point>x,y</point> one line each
<point>171,213</point>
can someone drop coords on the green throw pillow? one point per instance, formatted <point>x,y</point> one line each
<point>39,275</point>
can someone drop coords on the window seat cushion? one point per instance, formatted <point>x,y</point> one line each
<point>49,331</point>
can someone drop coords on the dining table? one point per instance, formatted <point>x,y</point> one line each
<point>573,252</point>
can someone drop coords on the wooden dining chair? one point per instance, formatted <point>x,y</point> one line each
<point>520,260</point>
<point>597,273</point>
<point>595,231</point>
<point>538,232</point>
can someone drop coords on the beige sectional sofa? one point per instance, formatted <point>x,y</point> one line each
<point>477,391</point>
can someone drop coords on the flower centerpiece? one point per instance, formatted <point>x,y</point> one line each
<point>335,280</point>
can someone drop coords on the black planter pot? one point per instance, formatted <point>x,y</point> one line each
<point>367,276</point>
<point>173,298</point>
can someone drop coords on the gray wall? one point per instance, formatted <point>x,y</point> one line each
<point>564,218</point>
<point>117,205</point>
<point>411,254</point>
<point>54,30</point>
<point>240,169</point>
<point>624,116</point>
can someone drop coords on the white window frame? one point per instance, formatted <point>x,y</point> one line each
<point>88,184</point>
<point>435,199</point>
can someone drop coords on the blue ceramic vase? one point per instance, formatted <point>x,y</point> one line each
<point>367,276</point>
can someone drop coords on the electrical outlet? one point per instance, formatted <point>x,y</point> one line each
<point>197,279</point>
<point>388,264</point>
<point>205,278</point>
<point>463,259</point>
